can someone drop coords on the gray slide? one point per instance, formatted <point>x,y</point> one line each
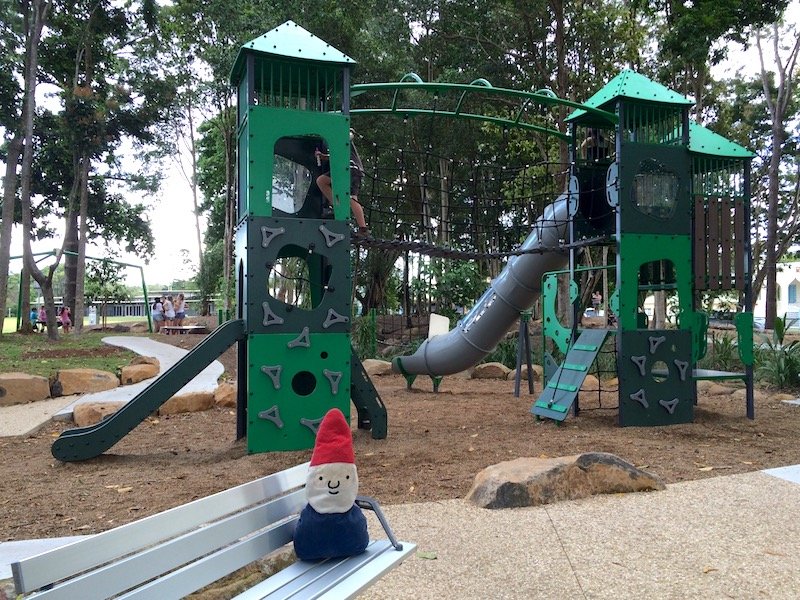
<point>514,291</point>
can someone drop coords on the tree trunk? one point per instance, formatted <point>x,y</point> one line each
<point>195,203</point>
<point>7,222</point>
<point>34,22</point>
<point>80,275</point>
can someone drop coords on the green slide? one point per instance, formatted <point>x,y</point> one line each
<point>87,442</point>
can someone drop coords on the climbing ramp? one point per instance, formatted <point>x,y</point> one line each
<point>563,387</point>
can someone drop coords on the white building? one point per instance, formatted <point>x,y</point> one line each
<point>788,280</point>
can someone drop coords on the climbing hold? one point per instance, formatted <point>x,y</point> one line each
<point>303,340</point>
<point>640,398</point>
<point>270,318</point>
<point>640,361</point>
<point>270,233</point>
<point>272,414</point>
<point>333,318</point>
<point>333,377</point>
<point>274,373</point>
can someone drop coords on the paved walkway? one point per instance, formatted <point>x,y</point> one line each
<point>23,419</point>
<point>724,537</point>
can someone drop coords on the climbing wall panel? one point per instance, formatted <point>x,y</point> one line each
<point>293,380</point>
<point>655,378</point>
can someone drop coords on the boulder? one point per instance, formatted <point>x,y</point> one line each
<point>717,389</point>
<point>225,395</point>
<point>146,360</point>
<point>779,397</point>
<point>536,481</point>
<point>191,402</point>
<point>491,370</point>
<point>704,385</point>
<point>741,394</point>
<point>131,374</point>
<point>94,412</point>
<point>537,373</point>
<point>82,381</point>
<point>374,366</point>
<point>20,388</point>
<point>590,384</point>
<point>139,327</point>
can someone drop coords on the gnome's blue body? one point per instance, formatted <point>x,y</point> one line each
<point>331,525</point>
<point>330,535</point>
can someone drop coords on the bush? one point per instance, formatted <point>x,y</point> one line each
<point>723,354</point>
<point>776,362</point>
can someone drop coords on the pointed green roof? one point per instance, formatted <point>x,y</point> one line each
<point>632,85</point>
<point>705,141</point>
<point>289,40</point>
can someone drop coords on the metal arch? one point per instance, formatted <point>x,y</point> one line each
<point>544,96</point>
<point>405,112</point>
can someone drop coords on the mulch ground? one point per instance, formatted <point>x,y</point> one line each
<point>437,443</point>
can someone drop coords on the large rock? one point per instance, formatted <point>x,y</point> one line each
<point>491,370</point>
<point>131,374</point>
<point>20,388</point>
<point>741,394</point>
<point>82,381</point>
<point>225,395</point>
<point>373,366</point>
<point>523,373</point>
<point>535,481</point>
<point>145,360</point>
<point>94,412</point>
<point>191,402</point>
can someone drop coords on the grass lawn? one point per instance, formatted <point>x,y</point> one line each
<point>35,354</point>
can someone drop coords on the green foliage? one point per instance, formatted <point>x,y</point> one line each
<point>505,352</point>
<point>776,361</point>
<point>722,354</point>
<point>29,353</point>
<point>365,336</point>
<point>459,286</point>
<point>105,284</point>
<point>209,278</point>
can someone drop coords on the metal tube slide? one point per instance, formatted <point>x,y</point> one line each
<point>514,290</point>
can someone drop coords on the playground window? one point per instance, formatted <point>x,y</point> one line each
<point>290,184</point>
<point>655,190</point>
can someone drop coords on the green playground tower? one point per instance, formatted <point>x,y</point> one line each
<point>293,267</point>
<point>672,198</point>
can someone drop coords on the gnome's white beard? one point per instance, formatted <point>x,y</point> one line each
<point>332,487</point>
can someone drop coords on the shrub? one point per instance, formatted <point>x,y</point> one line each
<point>778,363</point>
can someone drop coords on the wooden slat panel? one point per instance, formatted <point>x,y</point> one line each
<point>738,254</point>
<point>726,242</point>
<point>713,243</point>
<point>699,243</point>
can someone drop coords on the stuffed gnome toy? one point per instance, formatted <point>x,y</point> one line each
<point>331,525</point>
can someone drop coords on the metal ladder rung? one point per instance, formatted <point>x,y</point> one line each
<point>574,367</point>
<point>585,347</point>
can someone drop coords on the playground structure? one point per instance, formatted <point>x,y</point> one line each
<point>670,195</point>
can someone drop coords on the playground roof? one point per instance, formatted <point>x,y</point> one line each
<point>631,85</point>
<point>705,141</point>
<point>289,40</point>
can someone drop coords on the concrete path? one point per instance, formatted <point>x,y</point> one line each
<point>166,354</point>
<point>724,537</point>
<point>23,419</point>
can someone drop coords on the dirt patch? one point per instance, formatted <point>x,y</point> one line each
<point>75,352</point>
<point>436,445</point>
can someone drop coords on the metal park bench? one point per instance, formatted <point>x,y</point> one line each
<point>170,329</point>
<point>178,551</point>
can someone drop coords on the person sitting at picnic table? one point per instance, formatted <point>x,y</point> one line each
<point>32,317</point>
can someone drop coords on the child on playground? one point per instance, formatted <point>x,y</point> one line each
<point>158,314</point>
<point>180,310</point>
<point>66,318</point>
<point>169,312</point>
<point>356,174</point>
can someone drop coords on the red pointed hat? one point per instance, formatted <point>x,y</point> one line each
<point>334,440</point>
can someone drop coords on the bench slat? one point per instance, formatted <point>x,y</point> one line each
<point>43,569</point>
<point>129,572</point>
<point>335,579</point>
<point>214,566</point>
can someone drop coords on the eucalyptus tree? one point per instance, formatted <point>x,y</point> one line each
<point>102,58</point>
<point>11,40</point>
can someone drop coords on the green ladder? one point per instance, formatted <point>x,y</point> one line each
<point>562,388</point>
